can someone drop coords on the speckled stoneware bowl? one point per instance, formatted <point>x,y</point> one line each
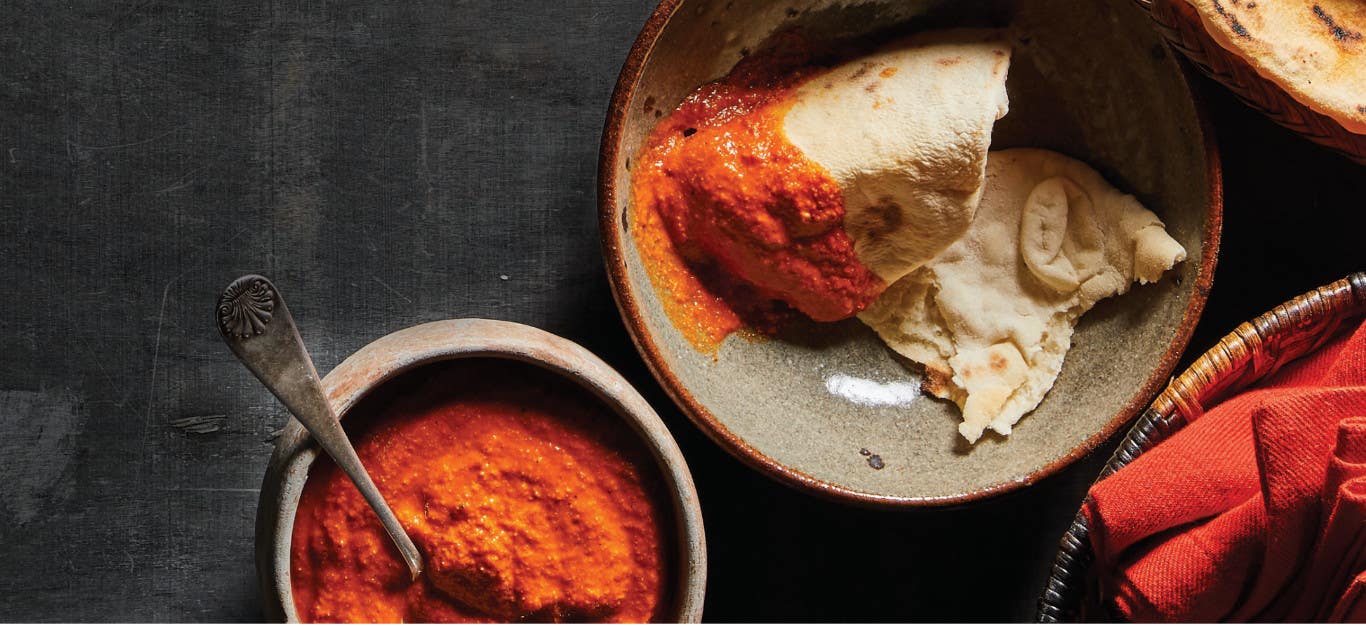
<point>1089,79</point>
<point>414,347</point>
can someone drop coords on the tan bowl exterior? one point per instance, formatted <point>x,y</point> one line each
<point>1099,88</point>
<point>414,347</point>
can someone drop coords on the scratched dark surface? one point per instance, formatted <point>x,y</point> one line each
<point>389,164</point>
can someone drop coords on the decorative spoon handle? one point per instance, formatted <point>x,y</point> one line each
<point>257,326</point>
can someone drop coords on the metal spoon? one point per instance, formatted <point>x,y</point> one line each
<point>257,326</point>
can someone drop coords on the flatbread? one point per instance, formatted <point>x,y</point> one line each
<point>1313,49</point>
<point>991,318</point>
<point>904,132</point>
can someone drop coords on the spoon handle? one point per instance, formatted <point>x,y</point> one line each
<point>257,326</point>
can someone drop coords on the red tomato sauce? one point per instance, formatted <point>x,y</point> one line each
<point>734,224</point>
<point>529,500</point>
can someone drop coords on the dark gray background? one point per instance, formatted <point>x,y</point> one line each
<point>395,163</point>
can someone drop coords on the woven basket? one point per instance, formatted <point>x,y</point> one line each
<point>1251,352</point>
<point>1181,25</point>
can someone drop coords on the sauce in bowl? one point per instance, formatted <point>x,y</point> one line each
<point>735,225</point>
<point>528,497</point>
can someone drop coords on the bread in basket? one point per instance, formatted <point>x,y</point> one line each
<point>1182,25</point>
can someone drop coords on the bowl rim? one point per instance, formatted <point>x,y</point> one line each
<point>405,350</point>
<point>615,262</point>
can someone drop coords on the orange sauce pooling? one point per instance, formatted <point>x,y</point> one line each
<point>734,224</point>
<point>528,499</point>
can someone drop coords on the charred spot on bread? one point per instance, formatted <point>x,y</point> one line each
<point>881,219</point>
<point>1233,23</point>
<point>937,382</point>
<point>1339,32</point>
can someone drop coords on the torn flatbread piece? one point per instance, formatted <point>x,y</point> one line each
<point>992,317</point>
<point>904,132</point>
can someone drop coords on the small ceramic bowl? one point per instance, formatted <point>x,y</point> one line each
<point>1089,79</point>
<point>414,347</point>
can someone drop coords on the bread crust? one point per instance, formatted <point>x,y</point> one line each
<point>1314,50</point>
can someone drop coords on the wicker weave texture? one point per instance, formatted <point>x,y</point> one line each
<point>1253,351</point>
<point>1180,24</point>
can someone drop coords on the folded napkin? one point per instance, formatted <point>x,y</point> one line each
<point>1254,511</point>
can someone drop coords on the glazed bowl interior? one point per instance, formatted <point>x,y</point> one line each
<point>404,351</point>
<point>1088,79</point>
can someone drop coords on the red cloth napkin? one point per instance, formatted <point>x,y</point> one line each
<point>1254,511</point>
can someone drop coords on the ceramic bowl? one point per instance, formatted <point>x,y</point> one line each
<point>1088,79</point>
<point>414,347</point>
